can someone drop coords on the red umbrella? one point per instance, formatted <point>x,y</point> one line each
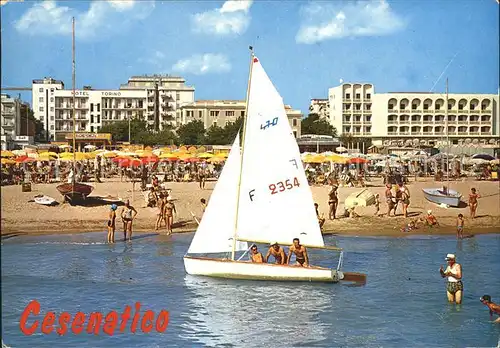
<point>149,159</point>
<point>21,159</point>
<point>191,159</point>
<point>357,160</point>
<point>170,159</point>
<point>130,162</point>
<point>29,159</point>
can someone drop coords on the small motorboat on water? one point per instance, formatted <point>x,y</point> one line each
<point>44,200</point>
<point>443,196</point>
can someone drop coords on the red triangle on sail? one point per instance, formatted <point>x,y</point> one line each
<point>255,60</point>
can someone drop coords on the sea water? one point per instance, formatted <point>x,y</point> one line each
<point>403,303</point>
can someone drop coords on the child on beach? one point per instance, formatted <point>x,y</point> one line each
<point>377,204</point>
<point>460,226</point>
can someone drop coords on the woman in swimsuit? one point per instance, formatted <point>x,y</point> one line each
<point>405,199</point>
<point>333,201</point>
<point>169,210</point>
<point>160,204</point>
<point>112,224</point>
<point>389,199</point>
<point>128,215</point>
<point>473,196</point>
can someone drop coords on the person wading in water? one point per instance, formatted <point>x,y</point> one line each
<point>128,215</point>
<point>169,214</point>
<point>278,253</point>
<point>493,307</point>
<point>333,201</point>
<point>112,223</point>
<point>454,286</point>
<point>300,252</point>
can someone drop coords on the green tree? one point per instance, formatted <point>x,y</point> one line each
<point>216,136</point>
<point>192,133</point>
<point>312,124</point>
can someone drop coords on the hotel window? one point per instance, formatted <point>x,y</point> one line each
<point>41,108</point>
<point>52,90</point>
<point>40,99</point>
<point>51,108</point>
<point>52,118</point>
<point>91,118</point>
<point>98,118</point>
<point>51,99</point>
<point>200,114</point>
<point>92,128</point>
<point>177,96</point>
<point>91,106</point>
<point>358,96</point>
<point>229,113</point>
<point>40,89</point>
<point>98,107</point>
<point>52,127</point>
<point>214,113</point>
<point>242,114</point>
<point>348,96</point>
<point>391,106</point>
<point>214,124</point>
<point>294,122</point>
<point>295,134</point>
<point>368,95</point>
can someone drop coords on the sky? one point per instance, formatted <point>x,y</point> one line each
<point>305,47</point>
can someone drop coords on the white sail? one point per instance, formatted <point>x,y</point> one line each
<point>276,203</point>
<point>216,230</point>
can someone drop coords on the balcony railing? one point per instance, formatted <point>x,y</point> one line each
<point>392,133</point>
<point>357,100</point>
<point>428,122</point>
<point>392,110</point>
<point>356,122</point>
<point>486,132</point>
<point>486,111</point>
<point>415,111</point>
<point>404,133</point>
<point>347,100</point>
<point>367,121</point>
<point>474,122</point>
<point>404,111</point>
<point>438,133</point>
<point>474,133</point>
<point>462,122</point>
<point>474,111</point>
<point>404,121</point>
<point>392,122</point>
<point>462,133</point>
<point>368,133</point>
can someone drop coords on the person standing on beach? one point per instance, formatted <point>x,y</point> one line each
<point>203,204</point>
<point>169,211</point>
<point>493,307</point>
<point>377,204</point>
<point>201,176</point>
<point>128,215</point>
<point>473,197</point>
<point>321,218</point>
<point>333,201</point>
<point>454,285</point>
<point>460,226</point>
<point>389,199</point>
<point>161,203</point>
<point>112,223</point>
<point>405,198</point>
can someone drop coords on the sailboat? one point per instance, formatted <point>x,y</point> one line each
<point>444,195</point>
<point>264,197</point>
<point>72,190</point>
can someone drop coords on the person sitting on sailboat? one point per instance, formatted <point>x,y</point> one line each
<point>300,252</point>
<point>255,255</point>
<point>277,252</point>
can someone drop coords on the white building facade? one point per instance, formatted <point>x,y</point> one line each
<point>155,99</point>
<point>221,112</point>
<point>415,119</point>
<point>321,107</point>
<point>13,132</point>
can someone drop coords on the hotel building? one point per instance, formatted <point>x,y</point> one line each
<point>155,99</point>
<point>15,128</point>
<point>410,119</point>
<point>221,112</point>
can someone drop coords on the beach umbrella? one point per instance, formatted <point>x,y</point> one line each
<point>46,157</point>
<point>79,156</point>
<point>205,155</point>
<point>19,152</point>
<point>340,149</point>
<point>121,159</point>
<point>315,159</point>
<point>109,154</point>
<point>8,161</point>
<point>222,154</point>
<point>189,158</point>
<point>169,159</point>
<point>216,159</point>
<point>168,155</point>
<point>149,159</point>
<point>495,161</point>
<point>336,158</point>
<point>483,156</point>
<point>28,159</point>
<point>357,160</point>
<point>6,154</point>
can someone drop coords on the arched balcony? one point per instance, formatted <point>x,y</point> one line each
<point>367,91</point>
<point>357,92</point>
<point>404,119</point>
<point>404,130</point>
<point>428,119</point>
<point>391,104</point>
<point>404,104</point>
<point>439,104</point>
<point>474,105</point>
<point>485,130</point>
<point>463,119</point>
<point>474,119</point>
<point>427,130</point>
<point>485,119</point>
<point>416,105</point>
<point>486,105</point>
<point>347,91</point>
<point>452,130</point>
<point>439,130</point>
<point>462,130</point>
<point>439,119</point>
<point>392,130</point>
<point>452,118</point>
<point>416,118</point>
<point>452,103</point>
<point>415,130</point>
<point>462,104</point>
<point>392,119</point>
<point>474,130</point>
<point>428,104</point>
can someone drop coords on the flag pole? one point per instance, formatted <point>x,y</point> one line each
<point>245,117</point>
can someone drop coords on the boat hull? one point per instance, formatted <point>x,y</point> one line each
<point>437,196</point>
<point>75,191</point>
<point>219,268</point>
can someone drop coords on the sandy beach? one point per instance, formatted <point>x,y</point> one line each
<point>20,216</point>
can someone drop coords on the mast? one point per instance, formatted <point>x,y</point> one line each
<point>74,101</point>
<point>242,152</point>
<point>447,142</point>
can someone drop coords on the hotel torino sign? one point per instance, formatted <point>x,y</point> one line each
<point>103,93</point>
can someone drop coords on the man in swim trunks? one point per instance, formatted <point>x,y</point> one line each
<point>128,215</point>
<point>333,201</point>
<point>278,253</point>
<point>300,252</point>
<point>494,308</point>
<point>460,226</point>
<point>389,199</point>
<point>168,214</point>
<point>454,286</point>
<point>255,255</point>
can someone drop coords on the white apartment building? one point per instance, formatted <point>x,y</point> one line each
<point>13,130</point>
<point>221,112</point>
<point>155,99</point>
<point>412,119</point>
<point>320,107</point>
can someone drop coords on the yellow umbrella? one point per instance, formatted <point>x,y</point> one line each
<point>45,157</point>
<point>109,154</point>
<point>205,155</point>
<point>216,159</point>
<point>80,156</point>
<point>222,154</point>
<point>314,159</point>
<point>7,154</point>
<point>8,161</point>
<point>168,155</point>
<point>336,159</point>
<point>145,154</point>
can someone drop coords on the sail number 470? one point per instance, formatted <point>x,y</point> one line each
<point>281,186</point>
<point>269,123</point>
